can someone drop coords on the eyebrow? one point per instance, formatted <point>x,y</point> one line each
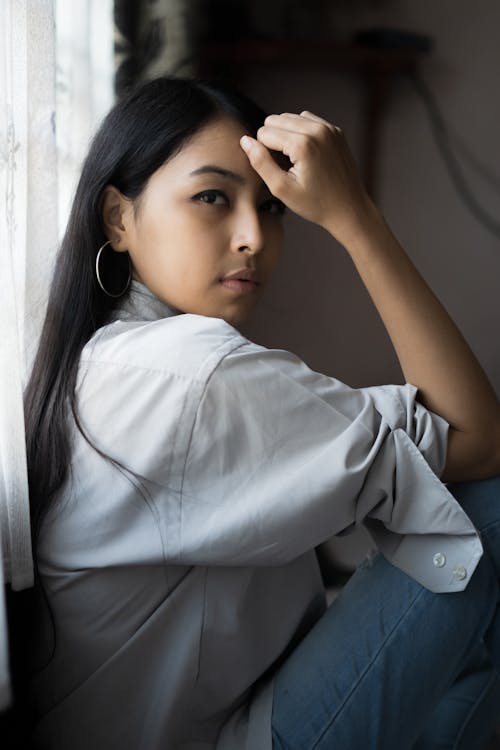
<point>213,169</point>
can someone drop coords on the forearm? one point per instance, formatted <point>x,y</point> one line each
<point>433,354</point>
<point>323,186</point>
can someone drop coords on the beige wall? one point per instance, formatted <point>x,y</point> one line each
<point>316,305</point>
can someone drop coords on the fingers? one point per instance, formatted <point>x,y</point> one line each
<point>311,116</point>
<point>315,118</point>
<point>306,122</point>
<point>314,147</point>
<point>264,164</point>
<point>293,134</point>
<point>279,139</point>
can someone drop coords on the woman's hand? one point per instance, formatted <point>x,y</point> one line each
<point>323,184</point>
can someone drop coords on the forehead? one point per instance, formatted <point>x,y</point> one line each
<point>216,143</point>
<point>216,134</point>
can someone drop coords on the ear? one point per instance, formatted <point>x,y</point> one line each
<point>115,212</point>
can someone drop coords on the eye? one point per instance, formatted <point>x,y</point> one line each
<point>212,197</point>
<point>273,206</point>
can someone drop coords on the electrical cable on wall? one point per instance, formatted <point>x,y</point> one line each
<point>443,140</point>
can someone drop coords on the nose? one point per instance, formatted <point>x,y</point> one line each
<point>248,236</point>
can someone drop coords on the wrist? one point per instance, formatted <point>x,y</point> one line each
<point>363,222</point>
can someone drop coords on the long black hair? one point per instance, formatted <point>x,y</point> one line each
<point>140,133</point>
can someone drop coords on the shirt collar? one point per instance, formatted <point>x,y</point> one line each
<point>139,303</point>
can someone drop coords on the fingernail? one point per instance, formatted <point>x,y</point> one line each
<point>246,143</point>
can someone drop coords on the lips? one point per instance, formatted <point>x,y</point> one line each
<point>243,274</point>
<point>243,281</point>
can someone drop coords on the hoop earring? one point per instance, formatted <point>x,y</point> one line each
<point>110,268</point>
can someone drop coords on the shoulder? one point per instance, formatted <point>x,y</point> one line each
<point>187,346</point>
<point>139,386</point>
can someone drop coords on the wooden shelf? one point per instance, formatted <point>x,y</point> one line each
<point>303,53</point>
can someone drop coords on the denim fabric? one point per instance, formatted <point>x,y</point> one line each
<point>392,666</point>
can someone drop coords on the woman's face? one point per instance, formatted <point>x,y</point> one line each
<point>206,233</point>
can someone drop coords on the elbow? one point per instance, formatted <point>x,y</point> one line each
<point>492,451</point>
<point>489,466</point>
<point>472,457</point>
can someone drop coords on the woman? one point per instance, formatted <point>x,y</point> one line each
<point>181,475</point>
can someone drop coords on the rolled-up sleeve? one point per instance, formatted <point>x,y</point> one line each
<point>281,458</point>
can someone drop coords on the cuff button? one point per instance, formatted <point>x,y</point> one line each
<point>460,573</point>
<point>439,560</point>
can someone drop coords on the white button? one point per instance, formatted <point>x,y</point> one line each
<point>439,560</point>
<point>460,573</point>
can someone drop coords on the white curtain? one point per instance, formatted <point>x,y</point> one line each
<point>54,79</point>
<point>84,85</point>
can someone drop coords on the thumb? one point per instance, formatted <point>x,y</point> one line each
<point>261,160</point>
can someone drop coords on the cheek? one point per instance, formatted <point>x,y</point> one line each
<point>165,241</point>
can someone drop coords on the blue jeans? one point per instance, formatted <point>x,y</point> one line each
<point>392,666</point>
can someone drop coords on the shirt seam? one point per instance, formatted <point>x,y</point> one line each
<point>206,382</point>
<point>142,368</point>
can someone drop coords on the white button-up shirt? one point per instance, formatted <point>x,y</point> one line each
<point>179,575</point>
